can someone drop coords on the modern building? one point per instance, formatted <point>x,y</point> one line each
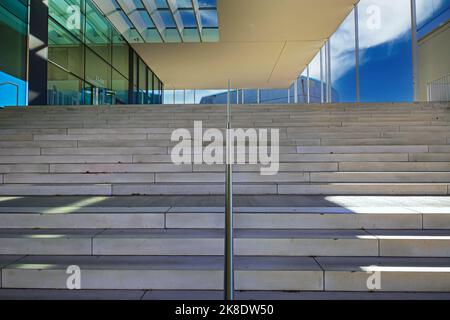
<point>70,54</point>
<point>274,96</point>
<point>434,68</point>
<point>334,182</point>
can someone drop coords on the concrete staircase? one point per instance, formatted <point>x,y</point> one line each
<point>339,149</point>
<point>361,189</point>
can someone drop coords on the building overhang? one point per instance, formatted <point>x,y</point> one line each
<point>263,44</point>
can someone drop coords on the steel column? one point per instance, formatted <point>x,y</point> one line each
<point>321,76</point>
<point>415,51</point>
<point>229,223</point>
<point>308,87</point>
<point>358,87</point>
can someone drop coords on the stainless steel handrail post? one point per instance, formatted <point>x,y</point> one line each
<point>229,226</point>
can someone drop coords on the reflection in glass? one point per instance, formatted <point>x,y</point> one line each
<point>63,88</point>
<point>13,46</point>
<point>385,50</point>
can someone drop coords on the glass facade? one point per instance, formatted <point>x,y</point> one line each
<point>156,21</point>
<point>371,59</point>
<point>89,60</point>
<point>13,48</point>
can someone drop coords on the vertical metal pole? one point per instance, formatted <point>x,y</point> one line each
<point>184,96</point>
<point>325,48</point>
<point>258,96</point>
<point>358,86</point>
<point>174,94</point>
<point>229,224</point>
<point>27,76</point>
<point>330,100</point>
<point>415,51</point>
<point>321,76</point>
<point>237,96</point>
<point>296,91</point>
<point>289,95</point>
<point>195,96</point>
<point>308,87</point>
<point>243,96</point>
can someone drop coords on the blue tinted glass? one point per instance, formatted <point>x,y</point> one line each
<point>161,4</point>
<point>189,20</point>
<point>209,18</point>
<point>184,3</point>
<point>207,3</point>
<point>167,19</point>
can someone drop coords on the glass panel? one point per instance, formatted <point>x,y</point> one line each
<point>429,10</point>
<point>314,81</point>
<point>93,67</point>
<point>184,4</point>
<point>120,55</point>
<point>207,3</point>
<point>120,87</point>
<point>98,72</point>
<point>386,55</point>
<point>171,35</point>
<point>167,19</point>
<point>250,96</point>
<point>161,4</point>
<point>343,61</point>
<point>152,35</point>
<point>65,50</point>
<point>68,13</point>
<point>142,82</point>
<point>303,87</point>
<point>270,96</point>
<point>98,32</point>
<point>209,18</point>
<point>188,18</point>
<point>13,46</point>
<point>191,35</point>
<point>13,30</point>
<point>189,97</point>
<point>150,87</point>
<point>157,92</point>
<point>210,35</point>
<point>140,20</point>
<point>63,88</point>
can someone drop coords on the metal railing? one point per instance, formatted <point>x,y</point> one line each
<point>15,85</point>
<point>229,223</point>
<point>439,90</point>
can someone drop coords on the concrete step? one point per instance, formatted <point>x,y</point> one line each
<point>184,175</point>
<point>362,149</point>
<point>67,159</point>
<point>443,157</point>
<point>427,217</point>
<point>371,188</point>
<point>189,295</point>
<point>162,272</point>
<point>211,188</point>
<point>379,177</point>
<point>395,166</point>
<point>350,274</point>
<point>384,141</point>
<point>316,157</point>
<point>209,242</point>
<point>396,274</point>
